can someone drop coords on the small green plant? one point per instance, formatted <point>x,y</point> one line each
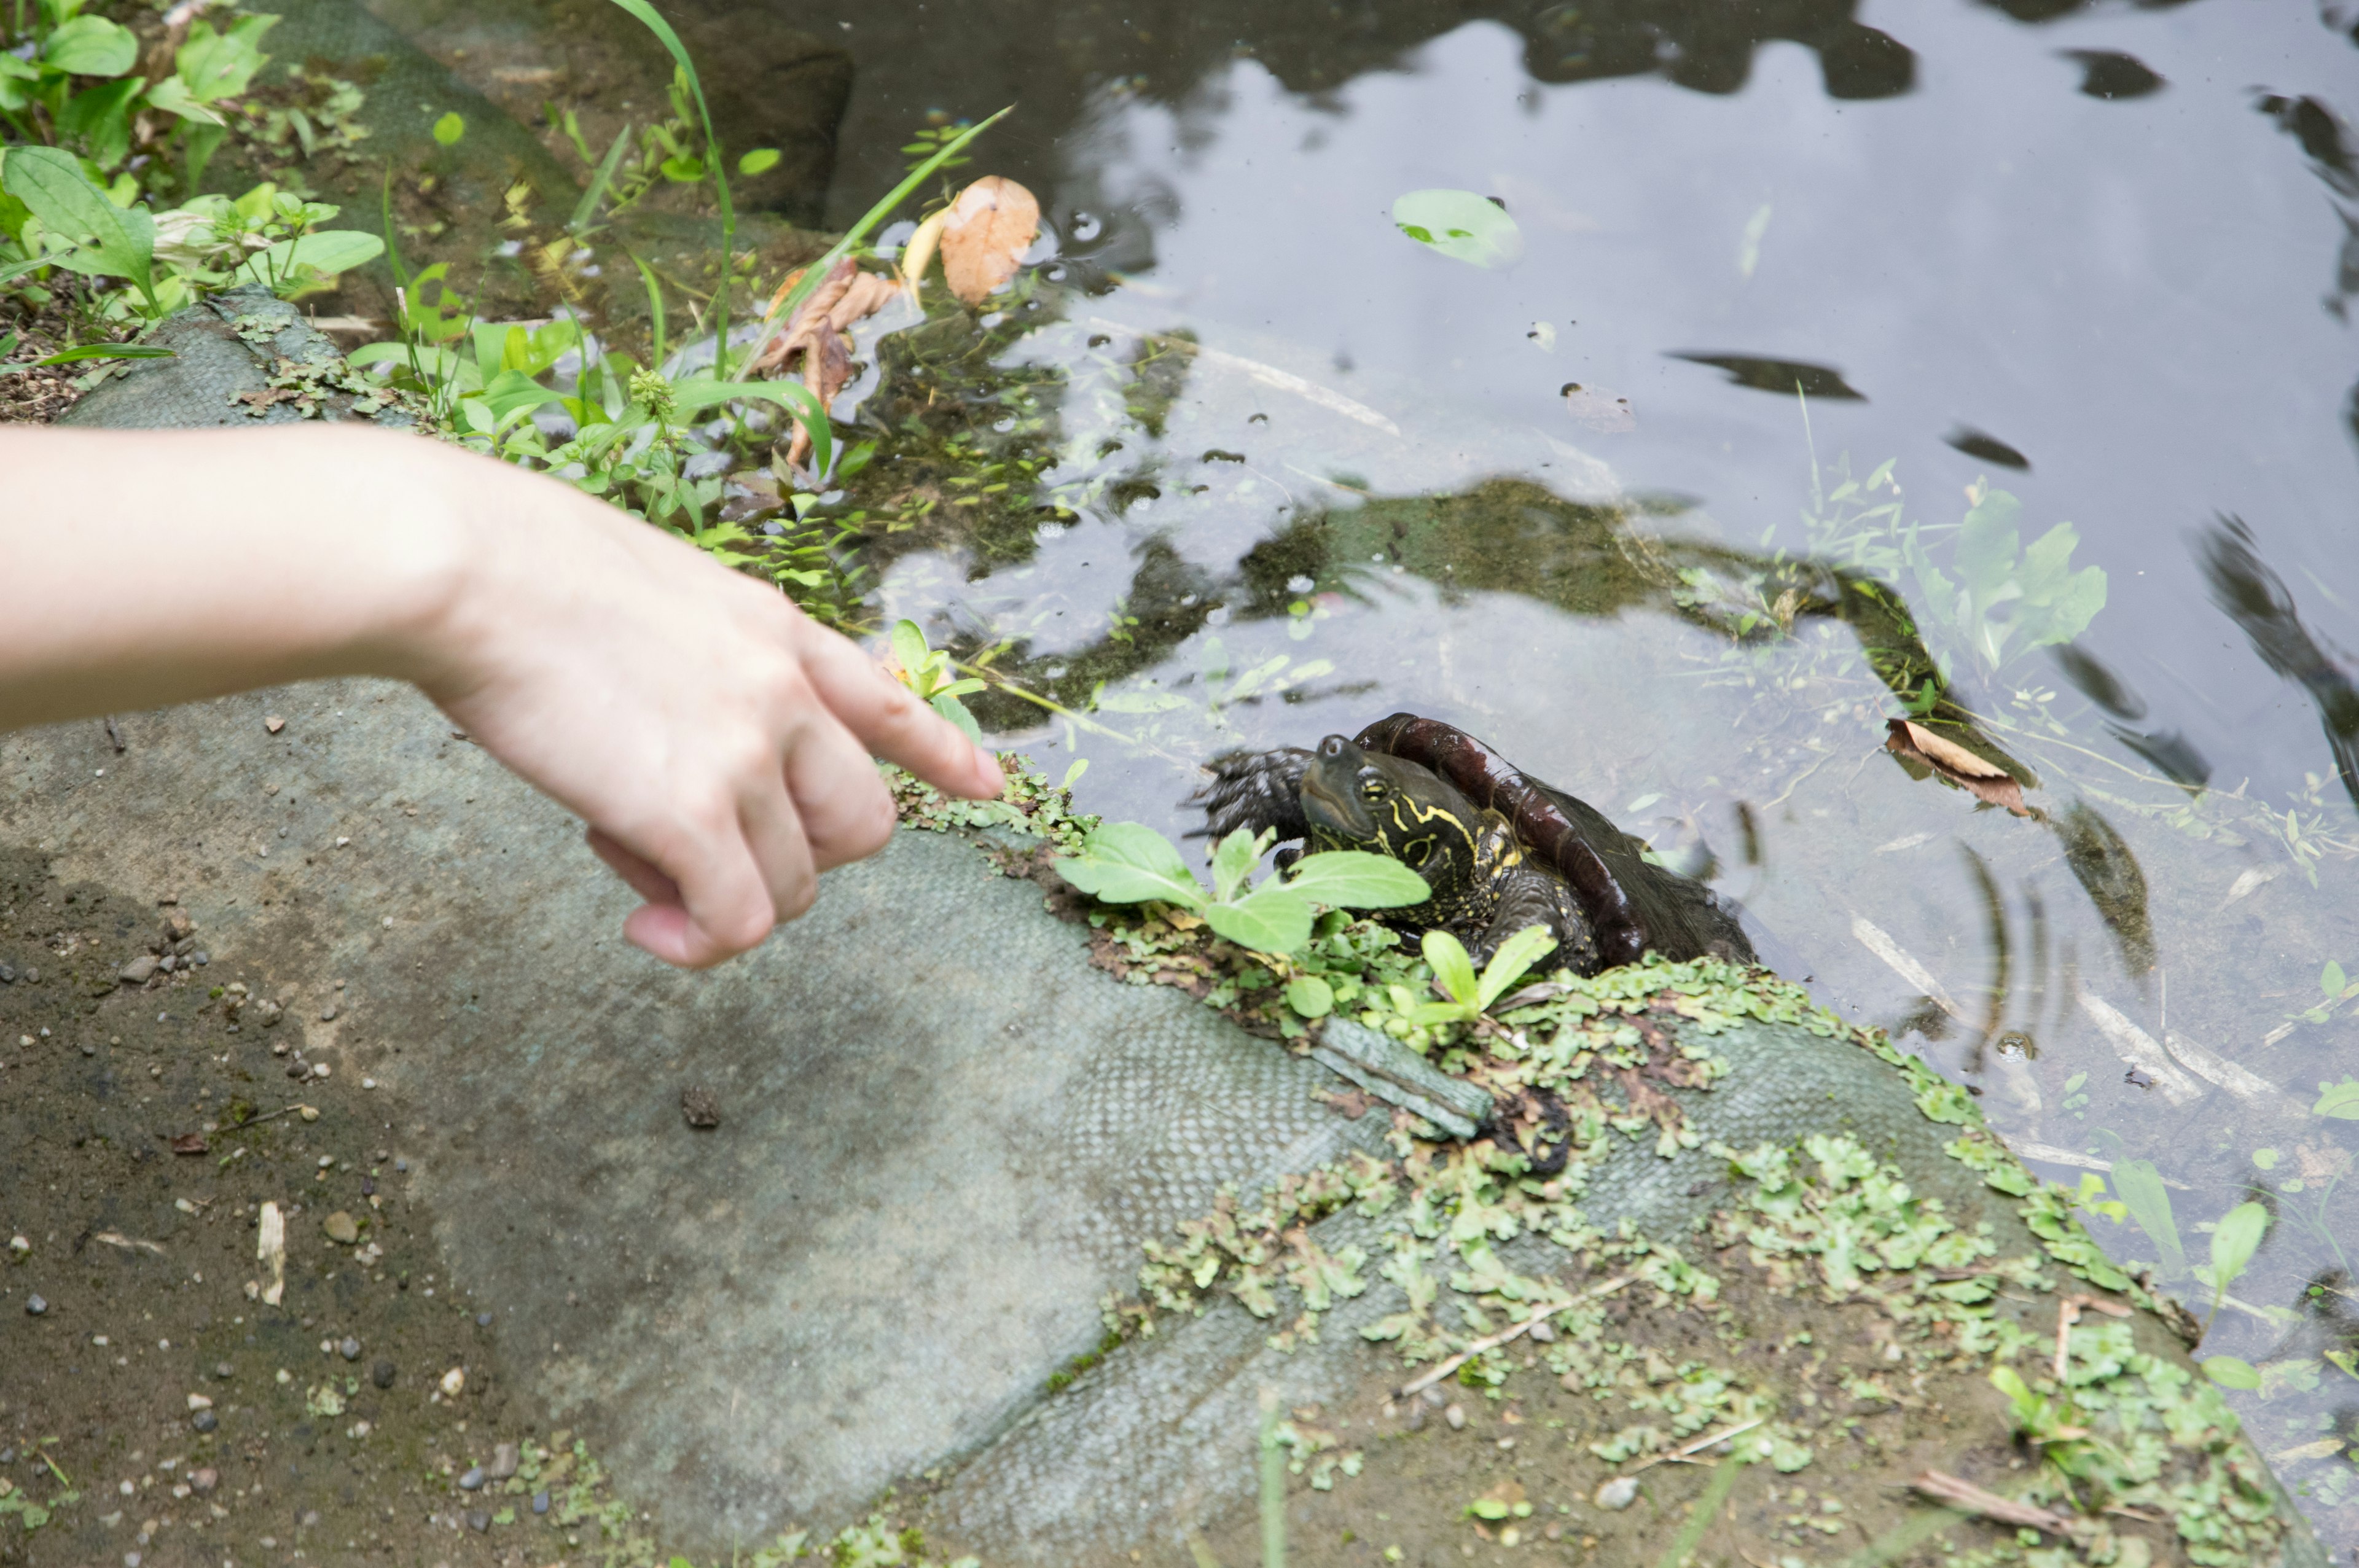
<point>70,80</point>
<point>2141,1189</point>
<point>1470,995</point>
<point>2234,1241</point>
<point>2040,1420</point>
<point>2335,987</point>
<point>927,671</point>
<point>1128,862</point>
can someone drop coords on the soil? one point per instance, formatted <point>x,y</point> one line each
<point>38,395</point>
<point>187,1420</point>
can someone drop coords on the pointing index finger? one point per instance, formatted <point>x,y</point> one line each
<point>891,723</point>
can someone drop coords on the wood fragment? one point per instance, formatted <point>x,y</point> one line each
<point>1964,1495</point>
<point>1686,1453</point>
<point>1441,1369</point>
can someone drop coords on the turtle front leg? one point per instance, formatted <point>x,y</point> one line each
<point>1529,896</point>
<point>1256,789</point>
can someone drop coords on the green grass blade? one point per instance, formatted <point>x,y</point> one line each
<point>587,208</point>
<point>655,308</point>
<point>391,245</point>
<point>653,21</point>
<point>1273,1486</point>
<point>1723,1481</point>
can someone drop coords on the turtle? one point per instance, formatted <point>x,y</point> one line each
<point>1501,849</point>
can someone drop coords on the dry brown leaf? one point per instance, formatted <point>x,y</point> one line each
<point>991,225</point>
<point>816,334</point>
<point>869,292</point>
<point>1984,779</point>
<point>1598,408</point>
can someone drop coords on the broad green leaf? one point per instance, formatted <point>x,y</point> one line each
<point>1232,861</point>
<point>337,250</point>
<point>91,46</point>
<point>2232,1372</point>
<point>113,242</point>
<point>2340,1101</point>
<point>1515,955</point>
<point>761,160</point>
<point>173,96</point>
<point>1309,996</point>
<point>214,66</point>
<point>2140,1186</point>
<point>1987,546</point>
<point>1452,966</point>
<point>689,396</point>
<point>2234,1242</point>
<point>947,704</point>
<point>512,391</point>
<point>1128,862</point>
<point>450,128</point>
<point>2332,980</point>
<point>98,118</point>
<point>1270,919</point>
<point>1461,225</point>
<point>909,647</point>
<point>1354,879</point>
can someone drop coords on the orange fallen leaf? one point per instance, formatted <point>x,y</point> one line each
<point>991,225</point>
<point>846,295</point>
<point>1983,778</point>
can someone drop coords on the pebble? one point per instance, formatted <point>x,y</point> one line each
<point>34,1306</point>
<point>223,1370</point>
<point>204,1420</point>
<point>349,1348</point>
<point>1541,1334</point>
<point>328,1013</point>
<point>8,976</point>
<point>473,1481</point>
<point>1617,1493</point>
<point>540,1502</point>
<point>454,1382</point>
<point>479,1520</point>
<point>204,1480</point>
<point>140,971</point>
<point>505,1459</point>
<point>342,1228</point>
<point>700,1107</point>
<point>483,1320</point>
<point>382,1374</point>
<point>1456,1416</point>
<point>19,1245</point>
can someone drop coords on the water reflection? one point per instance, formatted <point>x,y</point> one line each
<point>2257,600</point>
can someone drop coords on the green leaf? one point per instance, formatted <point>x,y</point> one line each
<point>106,351</point>
<point>1515,955</point>
<point>450,128</point>
<point>1309,996</point>
<point>2232,1372</point>
<point>1354,879</point>
<point>214,66</point>
<point>1453,967</point>
<point>2139,1185</point>
<point>689,396</point>
<point>91,46</point>
<point>761,160</point>
<point>1270,919</point>
<point>98,118</point>
<point>2332,980</point>
<point>1128,862</point>
<point>1232,861</point>
<point>173,96</point>
<point>1461,225</point>
<point>325,254</point>
<point>113,242</point>
<point>909,649</point>
<point>681,169</point>
<point>2340,1101</point>
<point>947,704</point>
<point>587,208</point>
<point>2234,1242</point>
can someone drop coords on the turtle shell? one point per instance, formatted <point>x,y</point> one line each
<point>1632,904</point>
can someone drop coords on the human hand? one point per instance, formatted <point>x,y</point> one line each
<point>715,739</point>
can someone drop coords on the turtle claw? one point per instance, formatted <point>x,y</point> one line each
<point>1259,791</point>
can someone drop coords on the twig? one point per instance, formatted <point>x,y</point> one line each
<point>1966,1495</point>
<point>115,1239</point>
<point>2068,1312</point>
<point>268,1116</point>
<point>1441,1369</point>
<point>1697,1446</point>
<point>63,1479</point>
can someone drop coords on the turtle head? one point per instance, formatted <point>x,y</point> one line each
<point>1353,798</point>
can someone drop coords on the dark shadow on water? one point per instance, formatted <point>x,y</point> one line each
<point>1990,449</point>
<point>2111,75</point>
<point>2256,600</point>
<point>1783,376</point>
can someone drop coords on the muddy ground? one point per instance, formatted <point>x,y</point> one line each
<point>150,1402</point>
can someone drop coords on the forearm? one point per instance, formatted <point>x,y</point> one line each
<point>140,568</point>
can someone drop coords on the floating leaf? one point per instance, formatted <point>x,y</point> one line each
<point>990,226</point>
<point>1983,779</point>
<point>2340,1101</point>
<point>2232,1372</point>
<point>450,128</point>
<point>2234,1242</point>
<point>2140,1186</point>
<point>1461,225</point>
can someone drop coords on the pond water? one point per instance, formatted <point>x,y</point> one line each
<point>1899,291</point>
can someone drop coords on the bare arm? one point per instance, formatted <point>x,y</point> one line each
<point>716,741</point>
